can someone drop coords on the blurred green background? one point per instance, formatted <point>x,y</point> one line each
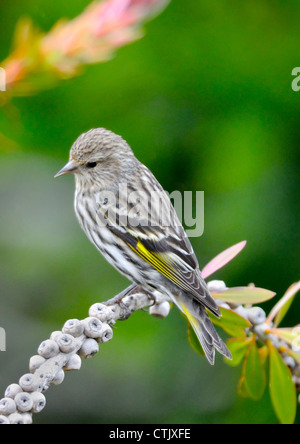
<point>205,101</point>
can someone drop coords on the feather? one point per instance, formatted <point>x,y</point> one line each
<point>203,327</point>
<point>166,248</point>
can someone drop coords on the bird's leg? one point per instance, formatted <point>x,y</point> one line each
<point>118,298</point>
<point>150,295</point>
<point>130,305</point>
<point>125,309</point>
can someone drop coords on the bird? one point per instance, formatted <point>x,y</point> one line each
<point>126,213</point>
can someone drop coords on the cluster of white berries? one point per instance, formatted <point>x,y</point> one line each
<point>257,317</point>
<point>65,350</point>
<point>62,352</point>
<point>79,340</point>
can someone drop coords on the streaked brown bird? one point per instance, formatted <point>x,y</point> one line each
<point>129,217</point>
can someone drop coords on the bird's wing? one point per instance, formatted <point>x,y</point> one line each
<point>169,256</point>
<point>167,249</point>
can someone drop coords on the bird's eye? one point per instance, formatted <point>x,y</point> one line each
<point>91,164</point>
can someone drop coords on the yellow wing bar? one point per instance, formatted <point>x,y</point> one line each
<point>160,265</point>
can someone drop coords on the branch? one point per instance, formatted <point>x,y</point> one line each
<point>79,340</point>
<point>66,348</point>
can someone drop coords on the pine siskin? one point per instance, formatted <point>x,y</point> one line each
<point>128,216</point>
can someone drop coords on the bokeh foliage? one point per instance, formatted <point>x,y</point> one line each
<point>205,100</point>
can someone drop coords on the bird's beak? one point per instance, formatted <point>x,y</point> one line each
<point>67,169</point>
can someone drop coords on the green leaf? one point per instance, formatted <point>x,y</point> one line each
<point>194,341</point>
<point>263,353</point>
<point>281,314</point>
<point>245,295</point>
<point>231,322</point>
<point>254,372</point>
<point>289,335</point>
<point>282,389</point>
<point>293,354</point>
<point>283,305</point>
<point>238,349</point>
<point>242,388</point>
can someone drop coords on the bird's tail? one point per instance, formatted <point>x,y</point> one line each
<point>203,327</point>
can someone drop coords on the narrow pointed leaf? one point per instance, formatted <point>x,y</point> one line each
<point>245,295</point>
<point>263,353</point>
<point>234,324</point>
<point>281,308</point>
<point>254,372</point>
<point>294,354</point>
<point>282,389</point>
<point>289,335</point>
<point>222,259</point>
<point>238,349</point>
<point>242,387</point>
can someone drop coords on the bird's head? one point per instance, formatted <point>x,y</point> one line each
<point>98,155</point>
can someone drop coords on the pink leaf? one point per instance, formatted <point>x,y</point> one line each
<point>222,259</point>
